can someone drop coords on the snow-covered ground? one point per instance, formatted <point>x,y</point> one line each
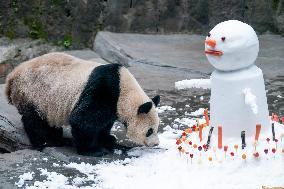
<point>165,167</point>
<point>259,164</point>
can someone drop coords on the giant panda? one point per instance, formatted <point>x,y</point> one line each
<point>57,89</point>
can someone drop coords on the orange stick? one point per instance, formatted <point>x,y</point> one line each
<point>220,137</point>
<point>257,131</point>
<point>206,116</point>
<point>200,132</point>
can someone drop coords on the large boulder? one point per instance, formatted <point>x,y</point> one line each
<point>13,52</point>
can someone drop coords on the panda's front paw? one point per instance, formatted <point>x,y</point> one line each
<point>108,142</point>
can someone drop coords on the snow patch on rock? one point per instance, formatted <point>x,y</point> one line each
<point>193,83</point>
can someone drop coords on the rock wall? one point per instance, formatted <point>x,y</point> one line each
<point>74,23</point>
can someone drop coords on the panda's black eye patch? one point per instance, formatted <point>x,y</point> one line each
<point>149,132</point>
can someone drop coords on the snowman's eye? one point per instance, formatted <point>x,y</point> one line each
<point>223,38</point>
<point>208,35</point>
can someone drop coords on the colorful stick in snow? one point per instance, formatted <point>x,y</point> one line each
<point>220,137</point>
<point>257,131</point>
<point>236,148</point>
<point>200,132</point>
<point>243,136</point>
<point>225,150</point>
<point>244,157</point>
<point>273,132</point>
<point>206,116</point>
<point>209,138</point>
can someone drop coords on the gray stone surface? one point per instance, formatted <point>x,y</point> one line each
<point>107,48</point>
<point>12,134</point>
<point>158,61</point>
<point>86,54</point>
<point>13,52</point>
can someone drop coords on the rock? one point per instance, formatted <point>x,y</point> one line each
<point>13,52</point>
<point>156,16</point>
<point>109,50</point>
<point>69,23</point>
<point>75,23</point>
<point>12,134</point>
<point>258,13</point>
<point>157,61</point>
<point>86,54</point>
<point>280,16</point>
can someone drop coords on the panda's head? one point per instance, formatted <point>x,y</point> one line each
<point>142,125</point>
<point>137,111</point>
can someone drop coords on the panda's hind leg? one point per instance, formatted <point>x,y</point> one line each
<point>38,130</point>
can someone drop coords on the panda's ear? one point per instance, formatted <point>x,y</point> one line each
<point>145,108</point>
<point>156,100</point>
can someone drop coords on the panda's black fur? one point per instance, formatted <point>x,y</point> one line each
<point>95,112</point>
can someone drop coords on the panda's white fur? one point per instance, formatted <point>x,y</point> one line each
<point>131,97</point>
<point>54,82</point>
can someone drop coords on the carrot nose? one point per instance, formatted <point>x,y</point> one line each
<point>211,42</point>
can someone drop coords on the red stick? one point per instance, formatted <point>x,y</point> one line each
<point>206,117</point>
<point>200,132</point>
<point>220,137</point>
<point>257,131</point>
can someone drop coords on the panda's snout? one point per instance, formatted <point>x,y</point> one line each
<point>152,141</point>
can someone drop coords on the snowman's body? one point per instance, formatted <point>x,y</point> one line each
<point>238,98</point>
<point>228,106</point>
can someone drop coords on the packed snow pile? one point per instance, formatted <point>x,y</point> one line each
<point>193,83</point>
<point>24,177</point>
<point>163,109</point>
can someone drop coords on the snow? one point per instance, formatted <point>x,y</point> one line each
<point>193,83</point>
<point>162,109</point>
<point>250,100</point>
<point>198,112</point>
<point>24,177</point>
<point>158,168</point>
<point>164,167</point>
<point>57,180</point>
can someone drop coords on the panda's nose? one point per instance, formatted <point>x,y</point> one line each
<point>157,144</point>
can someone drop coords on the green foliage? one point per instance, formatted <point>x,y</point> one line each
<point>275,4</point>
<point>36,29</point>
<point>10,33</point>
<point>14,5</point>
<point>67,41</point>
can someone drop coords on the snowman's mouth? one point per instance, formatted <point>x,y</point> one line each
<point>214,52</point>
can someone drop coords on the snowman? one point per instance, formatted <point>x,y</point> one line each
<point>238,98</point>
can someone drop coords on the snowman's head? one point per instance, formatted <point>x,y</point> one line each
<point>231,45</point>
